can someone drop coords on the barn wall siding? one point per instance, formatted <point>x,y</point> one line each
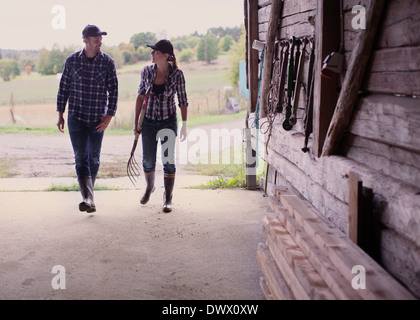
<point>381,143</point>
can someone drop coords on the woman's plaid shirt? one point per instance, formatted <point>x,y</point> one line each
<point>91,88</point>
<point>162,106</point>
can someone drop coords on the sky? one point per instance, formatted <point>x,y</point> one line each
<point>30,24</point>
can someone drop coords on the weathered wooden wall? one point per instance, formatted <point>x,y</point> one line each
<point>381,144</point>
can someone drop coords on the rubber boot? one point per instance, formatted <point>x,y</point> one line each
<point>94,179</point>
<point>150,186</point>
<point>86,189</point>
<point>168,181</point>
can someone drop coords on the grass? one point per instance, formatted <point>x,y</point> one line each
<point>75,187</point>
<point>6,168</point>
<point>227,176</point>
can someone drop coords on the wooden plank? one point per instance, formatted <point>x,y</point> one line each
<point>275,18</point>
<point>383,157</point>
<point>335,281</point>
<point>285,268</point>
<point>403,83</point>
<point>399,17</point>
<point>265,289</point>
<point>344,254</point>
<point>387,119</point>
<point>285,248</point>
<point>353,79</point>
<point>273,276</point>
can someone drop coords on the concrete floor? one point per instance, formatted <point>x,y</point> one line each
<point>204,249</point>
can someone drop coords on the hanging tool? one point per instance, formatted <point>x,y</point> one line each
<point>290,86</point>
<point>283,72</point>
<point>293,117</point>
<point>307,118</point>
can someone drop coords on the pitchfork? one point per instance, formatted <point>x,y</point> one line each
<point>133,168</point>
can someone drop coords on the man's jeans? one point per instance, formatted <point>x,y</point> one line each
<point>87,143</point>
<point>152,131</point>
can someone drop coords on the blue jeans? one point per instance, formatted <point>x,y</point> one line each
<point>152,131</point>
<point>87,143</point>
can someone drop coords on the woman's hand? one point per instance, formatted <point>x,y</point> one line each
<point>183,131</point>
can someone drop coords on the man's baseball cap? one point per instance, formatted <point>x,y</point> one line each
<point>92,31</point>
<point>164,46</point>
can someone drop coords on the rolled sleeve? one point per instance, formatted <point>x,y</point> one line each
<point>112,87</point>
<point>64,87</point>
<point>181,90</point>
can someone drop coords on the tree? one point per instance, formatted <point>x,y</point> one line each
<point>143,53</point>
<point>207,48</point>
<point>238,54</point>
<point>128,52</point>
<point>225,43</point>
<point>186,55</point>
<point>50,62</point>
<point>8,69</point>
<point>220,32</point>
<point>142,39</point>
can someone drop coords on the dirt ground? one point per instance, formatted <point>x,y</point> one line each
<point>204,249</point>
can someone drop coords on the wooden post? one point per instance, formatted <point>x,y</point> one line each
<point>353,79</point>
<point>252,56</point>
<point>327,40</point>
<point>355,190</point>
<point>275,16</point>
<point>361,223</point>
<point>12,107</point>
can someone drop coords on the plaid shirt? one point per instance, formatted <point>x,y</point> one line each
<point>162,106</point>
<point>91,88</point>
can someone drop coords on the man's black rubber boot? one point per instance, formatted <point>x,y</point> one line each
<point>86,189</point>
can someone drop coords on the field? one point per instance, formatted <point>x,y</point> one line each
<point>33,97</point>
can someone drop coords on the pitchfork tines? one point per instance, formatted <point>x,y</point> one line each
<point>133,168</point>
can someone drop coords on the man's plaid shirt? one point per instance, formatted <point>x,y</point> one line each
<point>91,88</point>
<point>162,106</point>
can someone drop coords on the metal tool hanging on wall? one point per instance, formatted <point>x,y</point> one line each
<point>307,118</point>
<point>298,82</point>
<point>290,85</point>
<point>282,75</point>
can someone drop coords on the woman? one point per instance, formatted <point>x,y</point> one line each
<point>161,80</point>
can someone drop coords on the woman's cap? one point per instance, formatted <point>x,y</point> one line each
<point>164,46</point>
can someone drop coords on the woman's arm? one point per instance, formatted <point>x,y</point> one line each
<point>138,107</point>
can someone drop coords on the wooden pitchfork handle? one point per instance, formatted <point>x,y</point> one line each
<point>143,110</point>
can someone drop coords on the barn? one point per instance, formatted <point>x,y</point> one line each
<point>334,112</point>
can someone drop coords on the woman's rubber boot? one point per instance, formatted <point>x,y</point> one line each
<point>168,181</point>
<point>150,186</point>
<point>86,189</point>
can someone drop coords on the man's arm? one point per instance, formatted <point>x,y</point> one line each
<point>63,95</point>
<point>112,88</point>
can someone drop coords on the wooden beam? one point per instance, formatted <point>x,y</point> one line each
<point>353,79</point>
<point>275,16</point>
<point>327,40</point>
<point>252,56</point>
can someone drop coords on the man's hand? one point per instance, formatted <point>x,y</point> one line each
<point>183,131</point>
<point>104,123</point>
<point>60,122</point>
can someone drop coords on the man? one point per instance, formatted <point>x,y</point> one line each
<point>90,86</point>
